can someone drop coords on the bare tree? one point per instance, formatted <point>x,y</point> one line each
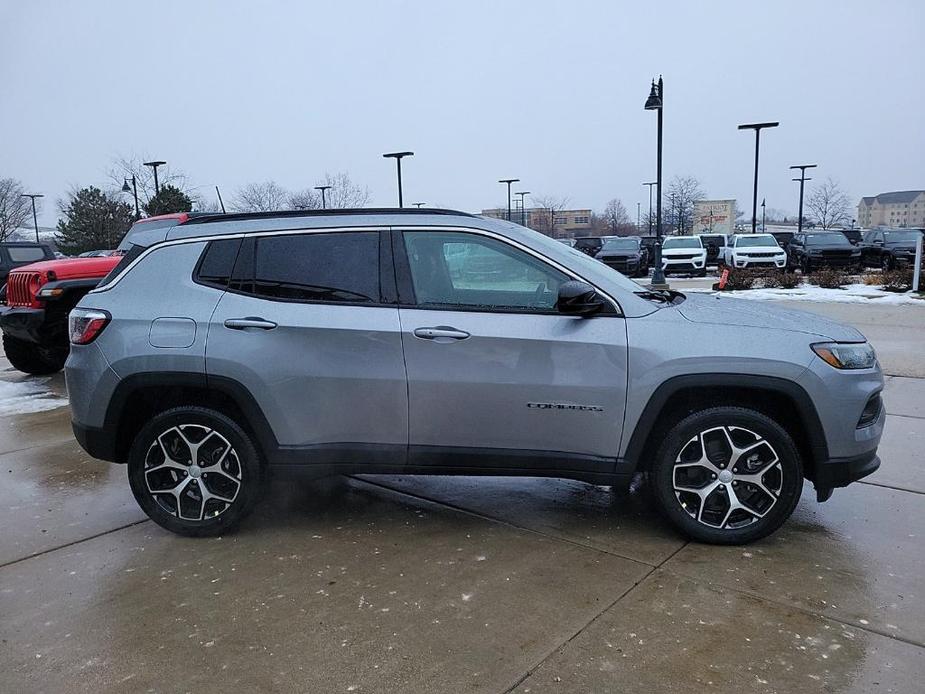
<point>260,197</point>
<point>683,192</point>
<point>14,209</point>
<point>308,199</point>
<point>123,168</point>
<point>617,220</point>
<point>344,192</point>
<point>828,204</point>
<point>549,207</point>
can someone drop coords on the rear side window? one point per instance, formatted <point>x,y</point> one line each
<point>26,254</point>
<point>341,267</point>
<point>218,262</point>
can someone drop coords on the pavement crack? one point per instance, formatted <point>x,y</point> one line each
<point>74,542</point>
<point>893,487</point>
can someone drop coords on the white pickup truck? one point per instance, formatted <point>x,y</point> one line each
<point>754,250</point>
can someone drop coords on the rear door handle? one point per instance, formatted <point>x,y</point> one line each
<point>441,333</point>
<point>249,322</point>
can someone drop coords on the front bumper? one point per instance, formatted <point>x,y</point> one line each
<point>683,263</point>
<point>840,472</point>
<point>760,262</point>
<point>624,265</point>
<point>22,323</point>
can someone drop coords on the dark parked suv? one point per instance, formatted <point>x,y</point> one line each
<point>15,254</point>
<point>889,248</point>
<point>625,254</point>
<point>810,251</point>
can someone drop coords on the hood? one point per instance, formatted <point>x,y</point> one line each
<point>70,268</point>
<point>721,310</point>
<point>618,254</point>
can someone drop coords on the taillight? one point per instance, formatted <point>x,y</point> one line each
<point>84,324</point>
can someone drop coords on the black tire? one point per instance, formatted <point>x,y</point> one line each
<point>32,358</point>
<point>702,273</point>
<point>886,262</point>
<point>242,462</point>
<point>780,471</point>
<point>805,266</point>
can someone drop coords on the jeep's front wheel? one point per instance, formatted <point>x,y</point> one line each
<point>32,358</point>
<point>727,475</point>
<point>194,471</point>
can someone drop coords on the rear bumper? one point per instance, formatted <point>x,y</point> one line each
<point>97,442</point>
<point>22,323</point>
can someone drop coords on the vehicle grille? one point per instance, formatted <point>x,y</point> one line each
<point>681,256</point>
<point>19,287</point>
<point>836,254</point>
<point>761,255</point>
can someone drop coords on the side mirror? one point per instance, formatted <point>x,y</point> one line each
<point>579,299</point>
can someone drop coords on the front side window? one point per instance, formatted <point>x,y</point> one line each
<point>340,267</point>
<point>468,271</point>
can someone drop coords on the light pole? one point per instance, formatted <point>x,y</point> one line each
<point>133,189</point>
<point>523,211</point>
<point>419,205</point>
<point>656,102</point>
<point>653,183</point>
<point>763,227</point>
<point>154,165</point>
<point>802,179</point>
<point>397,156</point>
<point>509,181</point>
<point>35,218</point>
<point>324,204</point>
<point>637,216</point>
<point>757,127</point>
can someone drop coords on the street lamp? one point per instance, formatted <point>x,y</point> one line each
<point>324,204</point>
<point>509,181</point>
<point>757,127</point>
<point>656,102</point>
<point>802,179</point>
<point>653,183</point>
<point>419,205</point>
<point>133,189</point>
<point>397,156</point>
<point>637,216</point>
<point>763,227</point>
<point>154,165</point>
<point>35,218</point>
<point>523,212</point>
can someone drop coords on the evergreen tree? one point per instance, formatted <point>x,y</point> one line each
<point>168,200</point>
<point>92,221</point>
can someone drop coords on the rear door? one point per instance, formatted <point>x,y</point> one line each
<point>497,378</point>
<point>309,328</point>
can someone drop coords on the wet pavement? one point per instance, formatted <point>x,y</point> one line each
<point>426,584</point>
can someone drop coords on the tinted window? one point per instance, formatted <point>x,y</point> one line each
<point>621,245</point>
<point>218,261</point>
<point>25,254</point>
<point>689,242</point>
<point>336,267</point>
<point>832,238</point>
<point>460,270</point>
<point>755,241</point>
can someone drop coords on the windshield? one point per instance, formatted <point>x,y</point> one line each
<point>755,241</point>
<point>899,236</point>
<point>621,245</point>
<point>689,242</point>
<point>830,239</point>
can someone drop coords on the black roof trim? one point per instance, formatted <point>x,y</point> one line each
<point>330,212</point>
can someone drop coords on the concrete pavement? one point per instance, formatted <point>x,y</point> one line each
<point>422,584</point>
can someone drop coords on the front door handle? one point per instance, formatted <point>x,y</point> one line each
<point>441,333</point>
<point>249,322</point>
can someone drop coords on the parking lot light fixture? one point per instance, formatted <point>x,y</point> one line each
<point>398,156</point>
<point>509,181</point>
<point>523,212</point>
<point>324,204</point>
<point>133,190</point>
<point>154,165</point>
<point>757,127</point>
<point>656,102</point>
<point>35,218</point>
<point>802,179</point>
<point>419,205</point>
<point>649,221</point>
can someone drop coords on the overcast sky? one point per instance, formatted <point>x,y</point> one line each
<point>548,92</point>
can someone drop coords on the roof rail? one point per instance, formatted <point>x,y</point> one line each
<point>237,216</point>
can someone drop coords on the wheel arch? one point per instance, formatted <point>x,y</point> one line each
<point>784,401</point>
<point>139,397</point>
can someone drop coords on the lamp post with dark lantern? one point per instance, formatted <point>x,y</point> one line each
<point>757,127</point>
<point>656,102</point>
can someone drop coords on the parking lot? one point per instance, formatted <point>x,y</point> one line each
<point>429,584</point>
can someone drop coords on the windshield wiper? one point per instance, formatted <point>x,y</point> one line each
<point>666,296</point>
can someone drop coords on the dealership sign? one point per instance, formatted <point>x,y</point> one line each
<point>714,216</point>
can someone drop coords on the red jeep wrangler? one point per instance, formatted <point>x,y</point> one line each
<point>38,299</point>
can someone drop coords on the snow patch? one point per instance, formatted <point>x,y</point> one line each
<point>30,395</point>
<point>851,294</point>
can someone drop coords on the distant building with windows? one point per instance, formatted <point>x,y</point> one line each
<point>564,223</point>
<point>901,208</point>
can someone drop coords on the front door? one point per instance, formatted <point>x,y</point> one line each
<point>307,328</point>
<point>496,377</point>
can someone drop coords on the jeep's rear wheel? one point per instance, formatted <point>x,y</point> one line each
<point>33,358</point>
<point>194,471</point>
<point>727,475</point>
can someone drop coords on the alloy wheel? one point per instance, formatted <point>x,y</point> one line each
<point>727,477</point>
<point>192,472</point>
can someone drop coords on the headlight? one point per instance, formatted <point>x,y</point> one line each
<point>846,355</point>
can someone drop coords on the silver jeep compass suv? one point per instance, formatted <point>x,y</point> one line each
<point>431,341</point>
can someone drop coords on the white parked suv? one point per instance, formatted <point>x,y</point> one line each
<point>754,250</point>
<point>684,254</point>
